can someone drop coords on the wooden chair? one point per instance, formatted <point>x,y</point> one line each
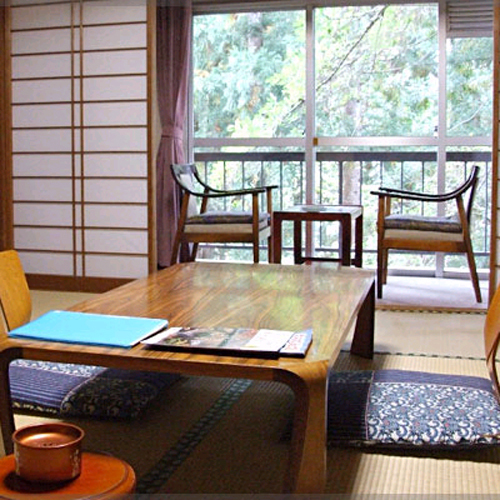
<point>408,409</point>
<point>15,299</point>
<point>64,388</point>
<point>492,340</point>
<point>426,233</point>
<point>196,226</point>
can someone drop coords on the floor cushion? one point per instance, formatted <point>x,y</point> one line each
<point>67,389</point>
<point>388,408</point>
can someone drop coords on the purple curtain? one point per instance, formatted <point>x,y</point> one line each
<point>174,22</point>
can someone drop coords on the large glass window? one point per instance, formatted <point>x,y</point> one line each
<point>376,70</point>
<point>249,76</point>
<point>387,98</point>
<point>469,79</point>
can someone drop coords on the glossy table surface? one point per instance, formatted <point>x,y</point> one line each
<point>330,301</point>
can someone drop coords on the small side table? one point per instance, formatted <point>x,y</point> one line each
<point>103,477</point>
<point>344,214</point>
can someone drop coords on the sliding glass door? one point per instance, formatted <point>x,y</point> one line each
<point>329,103</point>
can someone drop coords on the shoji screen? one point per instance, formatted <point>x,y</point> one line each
<point>81,143</point>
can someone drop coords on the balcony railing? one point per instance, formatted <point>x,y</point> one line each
<point>348,178</point>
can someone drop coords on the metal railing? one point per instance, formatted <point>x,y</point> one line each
<point>348,178</point>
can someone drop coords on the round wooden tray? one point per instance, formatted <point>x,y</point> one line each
<point>102,476</point>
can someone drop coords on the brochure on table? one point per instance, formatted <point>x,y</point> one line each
<point>89,328</point>
<point>234,341</point>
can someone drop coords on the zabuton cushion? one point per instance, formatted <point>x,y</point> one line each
<point>414,409</point>
<point>67,389</point>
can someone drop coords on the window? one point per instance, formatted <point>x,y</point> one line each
<point>249,78</point>
<point>469,84</point>
<point>376,70</point>
<point>331,102</point>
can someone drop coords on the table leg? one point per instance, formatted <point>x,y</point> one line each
<point>276,244</point>
<point>363,340</point>
<point>6,414</point>
<point>345,240</point>
<point>307,460</point>
<point>358,241</point>
<point>297,242</point>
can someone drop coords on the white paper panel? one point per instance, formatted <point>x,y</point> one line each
<point>78,191</point>
<point>116,266</point>
<point>116,190</point>
<point>42,190</point>
<point>76,66</point>
<point>76,140</point>
<point>116,216</point>
<point>112,37</point>
<point>32,2</point>
<point>79,264</point>
<point>115,88</point>
<point>114,11</point>
<point>119,113</point>
<point>47,115</point>
<point>116,241</point>
<point>41,91</point>
<point>78,240</point>
<point>114,63</point>
<point>117,165</point>
<point>120,139</point>
<point>46,214</point>
<point>41,16</point>
<point>35,150</point>
<point>40,66</point>
<point>43,239</point>
<point>47,263</point>
<point>42,165</point>
<point>56,40</point>
<point>41,140</point>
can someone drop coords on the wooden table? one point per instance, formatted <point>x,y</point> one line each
<point>103,477</point>
<point>343,214</point>
<point>329,301</point>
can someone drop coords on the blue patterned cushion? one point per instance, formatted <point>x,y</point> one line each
<point>220,217</point>
<point>404,408</point>
<point>449,224</point>
<point>66,389</point>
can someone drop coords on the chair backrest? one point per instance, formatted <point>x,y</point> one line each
<point>186,177</point>
<point>471,185</point>
<point>183,175</point>
<point>15,299</point>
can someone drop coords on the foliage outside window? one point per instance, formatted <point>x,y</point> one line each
<point>376,76</point>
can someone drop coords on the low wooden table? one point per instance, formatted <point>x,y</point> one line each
<point>332,302</point>
<point>103,477</point>
<point>344,214</point>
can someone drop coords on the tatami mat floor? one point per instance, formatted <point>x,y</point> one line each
<point>244,451</point>
<point>443,294</point>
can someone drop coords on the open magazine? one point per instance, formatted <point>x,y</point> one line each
<point>234,341</point>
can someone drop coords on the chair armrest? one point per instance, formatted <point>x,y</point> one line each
<point>412,195</point>
<point>219,193</point>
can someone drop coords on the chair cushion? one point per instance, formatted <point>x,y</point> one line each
<point>80,390</point>
<point>222,217</point>
<point>388,408</point>
<point>420,223</point>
